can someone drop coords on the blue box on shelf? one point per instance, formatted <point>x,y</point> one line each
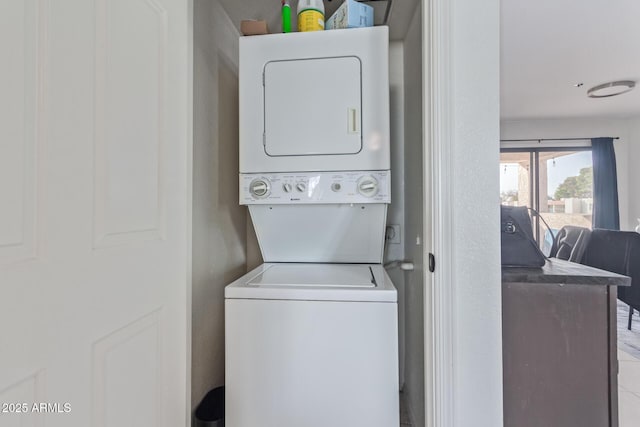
<point>351,14</point>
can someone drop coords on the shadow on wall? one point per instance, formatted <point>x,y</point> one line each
<point>219,249</point>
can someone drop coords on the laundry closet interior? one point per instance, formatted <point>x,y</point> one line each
<point>225,245</point>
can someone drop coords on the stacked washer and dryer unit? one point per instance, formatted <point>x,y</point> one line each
<point>311,334</point>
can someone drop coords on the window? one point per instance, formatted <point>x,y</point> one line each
<point>558,183</point>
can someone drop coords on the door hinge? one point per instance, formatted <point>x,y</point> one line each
<point>432,262</point>
<point>264,139</point>
<point>263,78</point>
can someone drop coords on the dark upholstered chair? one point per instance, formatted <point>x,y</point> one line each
<point>570,243</point>
<point>618,252</point>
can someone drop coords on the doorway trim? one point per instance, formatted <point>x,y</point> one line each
<point>438,137</point>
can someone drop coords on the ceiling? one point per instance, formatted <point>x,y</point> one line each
<point>399,16</point>
<point>548,46</point>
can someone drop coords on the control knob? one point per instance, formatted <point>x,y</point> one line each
<point>259,187</point>
<point>368,186</point>
<point>301,187</point>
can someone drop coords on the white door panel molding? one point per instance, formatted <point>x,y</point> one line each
<point>124,361</point>
<point>130,121</point>
<point>95,178</point>
<point>23,54</point>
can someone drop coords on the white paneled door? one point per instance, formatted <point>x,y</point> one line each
<point>94,212</point>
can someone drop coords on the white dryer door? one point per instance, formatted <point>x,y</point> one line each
<point>318,111</point>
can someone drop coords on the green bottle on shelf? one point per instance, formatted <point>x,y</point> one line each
<point>286,16</point>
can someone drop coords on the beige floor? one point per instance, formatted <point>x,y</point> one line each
<point>628,390</point>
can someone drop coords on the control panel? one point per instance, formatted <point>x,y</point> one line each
<point>315,187</point>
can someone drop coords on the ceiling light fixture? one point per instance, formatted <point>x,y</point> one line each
<point>606,90</point>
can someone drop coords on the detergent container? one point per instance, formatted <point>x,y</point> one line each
<point>310,15</point>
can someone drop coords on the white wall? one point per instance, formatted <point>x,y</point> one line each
<point>627,150</point>
<point>219,223</point>
<point>413,217</point>
<point>476,278</point>
<point>395,212</point>
<point>633,188</point>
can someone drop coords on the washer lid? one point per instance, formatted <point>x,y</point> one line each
<point>331,275</point>
<point>314,282</point>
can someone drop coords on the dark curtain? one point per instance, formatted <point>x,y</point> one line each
<point>605,185</point>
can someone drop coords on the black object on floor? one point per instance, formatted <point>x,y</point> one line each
<point>210,412</point>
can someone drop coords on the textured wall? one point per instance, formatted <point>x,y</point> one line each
<point>219,223</point>
<point>395,213</point>
<point>414,209</point>
<point>475,55</point>
<point>633,175</point>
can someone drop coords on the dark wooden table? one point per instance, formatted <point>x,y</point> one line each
<point>559,346</point>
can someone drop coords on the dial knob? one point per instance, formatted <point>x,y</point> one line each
<point>368,186</point>
<point>301,187</point>
<point>259,187</point>
<point>287,188</point>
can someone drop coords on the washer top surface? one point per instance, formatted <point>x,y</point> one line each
<point>333,275</point>
<point>315,282</point>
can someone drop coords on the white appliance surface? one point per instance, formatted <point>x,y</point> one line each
<point>297,358</point>
<point>316,187</point>
<point>310,342</point>
<point>284,122</point>
<point>332,275</point>
<point>320,233</point>
<point>315,282</point>
<point>318,216</point>
<point>315,101</point>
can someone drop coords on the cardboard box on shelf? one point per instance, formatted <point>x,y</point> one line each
<point>253,27</point>
<point>351,14</point>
